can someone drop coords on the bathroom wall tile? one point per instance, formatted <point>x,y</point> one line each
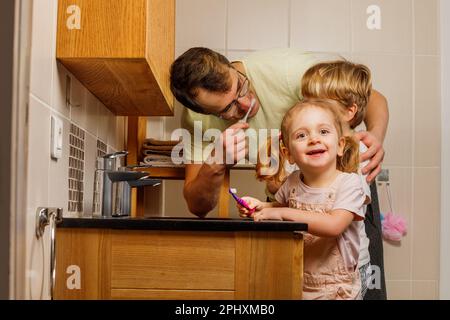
<point>398,290</point>
<point>179,208</point>
<point>110,149</point>
<point>426,224</point>
<point>201,23</point>
<point>426,29</point>
<point>78,114</point>
<point>37,194</point>
<point>239,179</point>
<point>175,208</point>
<point>425,290</point>
<point>427,129</point>
<point>397,255</point>
<point>39,151</point>
<point>91,102</point>
<point>392,76</point>
<point>42,50</point>
<point>256,24</point>
<point>112,127</point>
<point>395,35</point>
<point>173,123</point>
<point>60,74</point>
<point>309,32</point>
<point>104,116</point>
<point>153,203</point>
<point>120,132</point>
<point>90,158</point>
<point>59,173</point>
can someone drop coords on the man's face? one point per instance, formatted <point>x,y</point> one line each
<point>231,105</point>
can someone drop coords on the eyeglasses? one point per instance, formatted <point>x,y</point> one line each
<point>242,91</point>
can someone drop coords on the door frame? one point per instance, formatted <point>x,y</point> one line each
<point>7,21</point>
<point>16,23</point>
<point>444,283</point>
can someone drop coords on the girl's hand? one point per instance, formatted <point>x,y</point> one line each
<point>253,203</point>
<point>267,214</point>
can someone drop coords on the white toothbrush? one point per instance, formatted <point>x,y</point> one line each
<point>252,104</point>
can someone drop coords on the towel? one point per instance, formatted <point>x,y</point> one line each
<point>148,143</point>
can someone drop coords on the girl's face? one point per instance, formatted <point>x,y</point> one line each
<point>313,139</point>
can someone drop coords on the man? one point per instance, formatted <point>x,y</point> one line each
<point>219,93</point>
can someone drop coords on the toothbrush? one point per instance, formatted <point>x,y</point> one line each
<point>252,104</point>
<point>241,201</point>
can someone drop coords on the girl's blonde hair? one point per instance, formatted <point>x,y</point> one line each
<point>348,162</point>
<point>341,80</point>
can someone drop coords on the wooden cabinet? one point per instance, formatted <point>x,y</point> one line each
<point>121,51</point>
<point>151,264</point>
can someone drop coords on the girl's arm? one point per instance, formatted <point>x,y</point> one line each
<point>255,204</point>
<point>328,225</point>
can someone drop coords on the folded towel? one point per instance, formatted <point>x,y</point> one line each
<point>158,157</point>
<point>163,159</point>
<point>161,152</point>
<point>155,142</point>
<point>157,148</point>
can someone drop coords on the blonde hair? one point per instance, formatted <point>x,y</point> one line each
<point>348,162</point>
<point>341,80</point>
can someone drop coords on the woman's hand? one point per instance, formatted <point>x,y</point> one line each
<point>267,214</point>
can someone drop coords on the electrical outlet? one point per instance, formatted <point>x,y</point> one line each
<point>56,137</point>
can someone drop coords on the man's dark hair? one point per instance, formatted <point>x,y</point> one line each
<point>198,68</point>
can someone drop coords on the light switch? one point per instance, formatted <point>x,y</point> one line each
<point>56,137</point>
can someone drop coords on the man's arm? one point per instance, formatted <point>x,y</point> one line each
<point>376,120</point>
<point>377,116</point>
<point>202,187</point>
<point>203,181</point>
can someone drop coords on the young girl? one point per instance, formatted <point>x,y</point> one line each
<point>326,194</point>
<point>351,85</point>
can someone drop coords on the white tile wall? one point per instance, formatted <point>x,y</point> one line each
<point>426,27</point>
<point>257,24</point>
<point>395,35</point>
<point>311,22</point>
<point>427,112</point>
<point>204,26</point>
<point>48,178</point>
<point>41,59</point>
<point>393,77</point>
<point>403,57</point>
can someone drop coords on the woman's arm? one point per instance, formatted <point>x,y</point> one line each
<point>320,224</point>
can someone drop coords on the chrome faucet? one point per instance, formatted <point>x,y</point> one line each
<point>113,183</point>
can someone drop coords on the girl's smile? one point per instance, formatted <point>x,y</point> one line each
<point>314,141</point>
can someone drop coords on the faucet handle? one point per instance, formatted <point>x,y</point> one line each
<point>116,155</point>
<point>109,161</point>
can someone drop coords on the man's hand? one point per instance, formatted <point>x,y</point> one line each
<point>375,153</point>
<point>231,145</point>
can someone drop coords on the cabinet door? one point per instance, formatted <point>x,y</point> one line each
<point>121,51</point>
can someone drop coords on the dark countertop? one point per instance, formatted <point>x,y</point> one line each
<point>186,224</point>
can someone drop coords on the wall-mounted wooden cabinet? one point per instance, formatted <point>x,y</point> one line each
<point>121,50</point>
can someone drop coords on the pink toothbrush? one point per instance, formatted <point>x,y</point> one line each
<point>241,201</point>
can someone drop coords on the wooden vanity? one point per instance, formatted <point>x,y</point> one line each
<point>178,258</point>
